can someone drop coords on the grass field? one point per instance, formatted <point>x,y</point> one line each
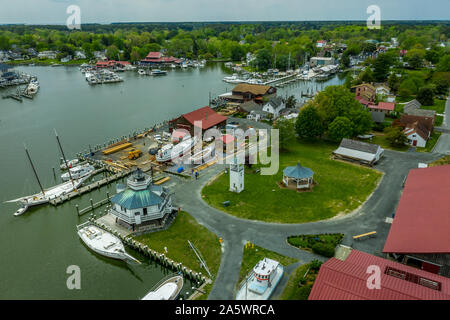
<point>293,291</point>
<point>175,239</point>
<point>380,139</point>
<point>438,106</point>
<point>341,188</point>
<point>254,254</point>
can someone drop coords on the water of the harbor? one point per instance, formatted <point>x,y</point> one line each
<point>37,248</point>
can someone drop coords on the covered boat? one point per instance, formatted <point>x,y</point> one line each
<point>170,152</point>
<point>166,289</point>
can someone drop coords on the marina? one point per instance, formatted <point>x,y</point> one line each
<point>107,118</point>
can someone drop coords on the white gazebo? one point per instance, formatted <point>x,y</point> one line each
<point>300,177</point>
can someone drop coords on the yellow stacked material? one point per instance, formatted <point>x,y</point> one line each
<point>162,180</point>
<point>206,165</point>
<point>117,148</point>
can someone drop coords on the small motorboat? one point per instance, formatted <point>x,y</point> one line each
<point>21,210</point>
<point>102,242</point>
<point>166,289</point>
<point>141,72</point>
<point>70,164</point>
<point>158,72</point>
<point>78,172</point>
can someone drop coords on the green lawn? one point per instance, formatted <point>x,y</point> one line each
<point>299,286</point>
<point>438,106</point>
<point>443,161</point>
<point>431,142</point>
<point>323,244</point>
<point>253,254</point>
<point>341,188</point>
<point>175,239</point>
<point>439,120</point>
<point>48,62</point>
<point>380,139</point>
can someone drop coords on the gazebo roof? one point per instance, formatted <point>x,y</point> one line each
<point>298,172</point>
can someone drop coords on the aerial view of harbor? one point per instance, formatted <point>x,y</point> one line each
<point>186,157</point>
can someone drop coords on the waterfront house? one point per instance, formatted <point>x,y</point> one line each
<point>157,58</point>
<point>100,55</point>
<point>346,278</point>
<point>358,151</point>
<point>142,206</point>
<point>274,106</point>
<point>258,115</point>
<point>79,55</point>
<point>205,118</point>
<point>66,59</point>
<point>419,235</point>
<point>245,92</point>
<point>321,44</point>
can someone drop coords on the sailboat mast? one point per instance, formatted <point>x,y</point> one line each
<point>34,170</point>
<point>64,157</point>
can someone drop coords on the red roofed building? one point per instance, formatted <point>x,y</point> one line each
<point>386,107</point>
<point>208,117</point>
<point>157,58</point>
<point>348,280</point>
<point>111,64</point>
<point>420,232</point>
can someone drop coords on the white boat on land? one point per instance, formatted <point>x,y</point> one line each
<point>262,281</point>
<point>70,164</point>
<point>102,242</point>
<point>166,289</point>
<point>78,172</point>
<point>170,152</point>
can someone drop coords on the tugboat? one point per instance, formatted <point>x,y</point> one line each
<point>167,289</point>
<point>262,282</point>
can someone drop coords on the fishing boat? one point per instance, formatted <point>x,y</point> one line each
<point>170,152</point>
<point>167,289</point>
<point>78,172</point>
<point>102,242</point>
<point>158,72</point>
<point>70,164</point>
<point>262,281</point>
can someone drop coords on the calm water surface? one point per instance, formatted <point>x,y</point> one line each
<point>37,248</point>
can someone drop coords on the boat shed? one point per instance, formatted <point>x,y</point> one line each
<point>301,177</point>
<point>204,118</point>
<point>358,151</point>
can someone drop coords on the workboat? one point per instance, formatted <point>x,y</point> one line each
<point>262,281</point>
<point>70,164</point>
<point>158,72</point>
<point>166,289</point>
<point>102,242</point>
<point>47,195</point>
<point>170,152</point>
<point>78,172</point>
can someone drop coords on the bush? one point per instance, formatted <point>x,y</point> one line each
<point>315,264</point>
<point>324,249</point>
<point>303,292</point>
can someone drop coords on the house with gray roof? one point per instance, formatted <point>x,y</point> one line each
<point>141,206</point>
<point>250,106</point>
<point>358,151</point>
<point>274,106</point>
<point>412,108</point>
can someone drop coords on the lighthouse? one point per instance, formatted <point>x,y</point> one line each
<point>236,177</point>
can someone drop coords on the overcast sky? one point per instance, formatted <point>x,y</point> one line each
<point>106,11</point>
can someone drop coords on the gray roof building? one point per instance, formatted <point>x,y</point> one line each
<point>354,150</point>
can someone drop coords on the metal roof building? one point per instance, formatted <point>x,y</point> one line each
<point>359,151</point>
<point>348,280</point>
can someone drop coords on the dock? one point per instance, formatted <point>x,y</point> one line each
<point>90,187</point>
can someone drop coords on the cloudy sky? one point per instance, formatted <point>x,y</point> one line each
<point>106,11</point>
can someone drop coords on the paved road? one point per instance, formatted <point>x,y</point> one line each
<point>235,231</point>
<point>443,145</point>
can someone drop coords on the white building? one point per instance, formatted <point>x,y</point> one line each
<point>47,55</point>
<point>274,106</point>
<point>417,134</point>
<point>236,177</point>
<point>320,61</point>
<point>358,151</point>
<point>141,205</point>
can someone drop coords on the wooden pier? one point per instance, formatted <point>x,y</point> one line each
<point>90,187</point>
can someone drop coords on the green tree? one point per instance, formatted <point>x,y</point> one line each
<point>381,67</point>
<point>286,132</point>
<point>395,136</point>
<point>415,58</point>
<point>341,127</point>
<point>291,102</point>
<point>263,59</point>
<point>426,96</point>
<point>444,64</point>
<point>309,124</point>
